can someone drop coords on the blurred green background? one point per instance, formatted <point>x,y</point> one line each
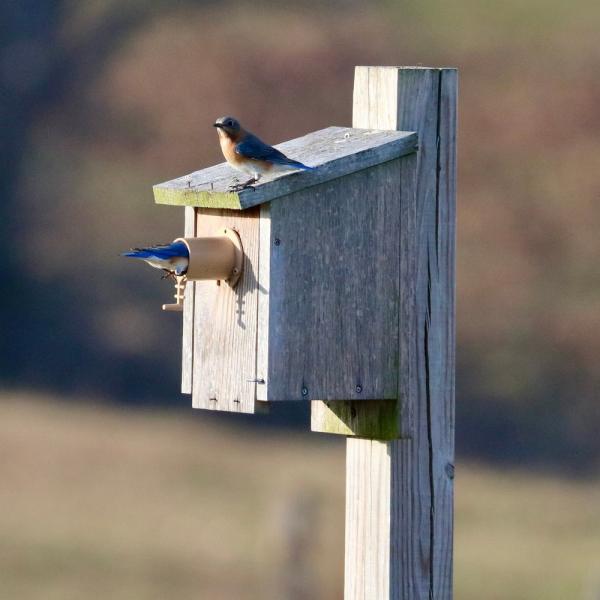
<point>102,99</point>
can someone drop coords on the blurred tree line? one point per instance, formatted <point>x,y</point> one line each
<point>45,63</point>
<point>100,100</point>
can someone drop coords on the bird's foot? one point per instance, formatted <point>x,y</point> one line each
<point>168,275</point>
<point>247,185</point>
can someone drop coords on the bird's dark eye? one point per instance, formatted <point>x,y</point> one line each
<point>230,123</point>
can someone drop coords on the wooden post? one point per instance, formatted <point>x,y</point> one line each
<point>399,494</point>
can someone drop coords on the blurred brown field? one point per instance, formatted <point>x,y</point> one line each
<point>108,503</point>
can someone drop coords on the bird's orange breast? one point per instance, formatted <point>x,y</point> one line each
<point>228,149</point>
<point>242,163</point>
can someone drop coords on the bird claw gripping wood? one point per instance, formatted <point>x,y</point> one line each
<point>180,283</point>
<point>248,185</point>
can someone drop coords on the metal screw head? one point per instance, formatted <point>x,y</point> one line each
<point>358,389</point>
<point>277,241</point>
<point>305,391</point>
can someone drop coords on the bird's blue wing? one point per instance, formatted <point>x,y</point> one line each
<point>173,258</point>
<point>252,147</point>
<point>162,252</point>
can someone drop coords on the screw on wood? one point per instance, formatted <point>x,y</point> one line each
<point>305,391</point>
<point>359,389</point>
<point>277,241</point>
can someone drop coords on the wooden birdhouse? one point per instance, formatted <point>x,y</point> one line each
<point>324,301</point>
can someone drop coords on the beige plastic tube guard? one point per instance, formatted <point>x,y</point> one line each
<point>219,257</point>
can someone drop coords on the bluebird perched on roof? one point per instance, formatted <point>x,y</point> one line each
<point>247,153</point>
<point>171,258</point>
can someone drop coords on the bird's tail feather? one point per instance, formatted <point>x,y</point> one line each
<point>161,252</point>
<point>294,163</point>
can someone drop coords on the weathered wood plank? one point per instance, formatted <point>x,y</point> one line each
<point>442,363</point>
<point>187,353</point>
<point>435,120</point>
<point>335,289</point>
<point>418,504</point>
<point>336,151</point>
<point>264,282</point>
<point>367,564</point>
<point>408,277</point>
<point>225,324</point>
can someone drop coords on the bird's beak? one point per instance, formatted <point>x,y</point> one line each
<point>218,125</point>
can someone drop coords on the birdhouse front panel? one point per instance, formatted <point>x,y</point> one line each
<point>225,321</point>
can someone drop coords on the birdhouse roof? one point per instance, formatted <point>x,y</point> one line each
<point>335,151</point>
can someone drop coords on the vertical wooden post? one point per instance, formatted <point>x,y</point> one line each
<point>399,494</point>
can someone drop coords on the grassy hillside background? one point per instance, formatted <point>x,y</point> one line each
<point>99,503</point>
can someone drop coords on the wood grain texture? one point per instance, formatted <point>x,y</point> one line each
<point>368,496</point>
<point>225,322</point>
<point>336,151</point>
<point>442,364</point>
<point>380,420</point>
<point>335,289</point>
<point>187,353</point>
<point>264,283</point>
<point>419,499</point>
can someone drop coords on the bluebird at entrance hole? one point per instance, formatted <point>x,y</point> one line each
<point>247,153</point>
<point>172,258</point>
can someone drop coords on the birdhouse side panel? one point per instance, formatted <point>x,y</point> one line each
<point>264,284</point>
<point>187,351</point>
<point>334,299</point>
<point>225,321</point>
